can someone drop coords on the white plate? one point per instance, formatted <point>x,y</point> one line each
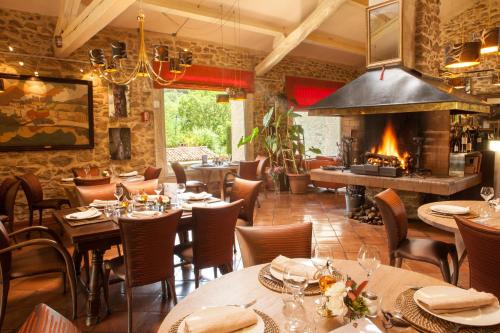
<point>97,214</point>
<point>103,204</point>
<point>279,275</point>
<point>450,209</point>
<point>480,317</point>
<point>193,197</point>
<point>260,327</point>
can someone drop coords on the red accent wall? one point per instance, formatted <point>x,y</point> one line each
<point>303,92</point>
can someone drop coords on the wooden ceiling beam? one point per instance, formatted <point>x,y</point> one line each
<point>336,42</point>
<point>324,9</point>
<point>90,21</point>
<point>68,10</point>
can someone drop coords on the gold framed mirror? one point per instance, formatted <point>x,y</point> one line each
<point>384,33</point>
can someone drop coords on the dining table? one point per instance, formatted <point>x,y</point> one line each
<point>98,236</point>
<point>386,282</point>
<point>221,170</point>
<point>447,223</point>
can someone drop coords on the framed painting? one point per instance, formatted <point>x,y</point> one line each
<point>118,96</point>
<point>42,113</point>
<point>120,147</point>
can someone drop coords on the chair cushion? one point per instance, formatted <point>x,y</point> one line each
<point>36,260</point>
<point>428,250</point>
<point>50,203</point>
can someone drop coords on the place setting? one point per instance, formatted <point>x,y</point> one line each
<point>85,216</point>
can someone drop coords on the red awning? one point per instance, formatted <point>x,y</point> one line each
<point>208,77</point>
<point>303,92</point>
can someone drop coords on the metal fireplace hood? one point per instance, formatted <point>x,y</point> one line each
<point>396,90</point>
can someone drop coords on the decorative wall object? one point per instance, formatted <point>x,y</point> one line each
<point>119,97</point>
<point>119,144</point>
<point>42,113</point>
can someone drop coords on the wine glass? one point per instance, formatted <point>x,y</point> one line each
<point>118,192</point>
<point>158,188</point>
<point>86,169</point>
<point>295,279</point>
<point>322,256</point>
<point>369,259</point>
<point>487,193</point>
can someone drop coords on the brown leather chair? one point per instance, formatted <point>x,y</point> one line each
<point>34,195</point>
<point>91,181</point>
<point>80,172</point>
<point>482,244</point>
<point>401,247</point>
<point>87,194</point>
<point>147,186</point>
<point>8,193</point>
<point>260,245</point>
<point>261,168</point>
<point>152,173</point>
<point>148,256</point>
<point>247,170</point>
<point>213,239</point>
<point>248,190</point>
<point>44,319</point>
<point>181,178</point>
<point>50,254</point>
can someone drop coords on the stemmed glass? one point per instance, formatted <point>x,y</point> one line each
<point>86,169</point>
<point>295,282</point>
<point>369,259</point>
<point>118,192</point>
<point>158,188</point>
<point>487,193</point>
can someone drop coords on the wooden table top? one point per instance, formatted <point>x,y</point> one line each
<point>213,167</point>
<point>242,286</point>
<point>448,223</point>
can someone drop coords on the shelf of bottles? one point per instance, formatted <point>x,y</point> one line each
<point>470,133</point>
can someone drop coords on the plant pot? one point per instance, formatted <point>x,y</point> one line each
<point>298,182</point>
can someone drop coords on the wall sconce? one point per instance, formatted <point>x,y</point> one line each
<point>462,55</point>
<point>490,40</point>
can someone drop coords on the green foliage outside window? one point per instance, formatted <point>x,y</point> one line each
<point>193,118</point>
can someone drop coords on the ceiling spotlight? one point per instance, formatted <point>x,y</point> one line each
<point>21,63</point>
<point>36,73</point>
<point>11,49</point>
<point>81,70</point>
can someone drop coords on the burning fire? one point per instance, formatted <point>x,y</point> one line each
<point>389,145</point>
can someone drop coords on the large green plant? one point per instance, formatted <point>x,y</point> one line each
<point>282,139</point>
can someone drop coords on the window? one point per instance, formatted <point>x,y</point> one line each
<point>321,132</point>
<point>196,125</point>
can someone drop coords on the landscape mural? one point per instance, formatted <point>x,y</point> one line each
<point>45,113</point>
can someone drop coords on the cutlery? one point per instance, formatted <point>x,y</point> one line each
<point>246,305</point>
<point>271,278</point>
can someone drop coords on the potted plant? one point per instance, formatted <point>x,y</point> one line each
<point>283,140</point>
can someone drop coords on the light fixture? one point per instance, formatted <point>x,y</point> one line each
<point>11,49</point>
<point>462,55</point>
<point>21,63</point>
<point>490,41</point>
<point>36,73</point>
<point>2,86</point>
<point>495,145</point>
<point>457,82</point>
<point>495,78</point>
<point>222,98</point>
<point>237,94</point>
<point>81,70</point>
<point>113,71</point>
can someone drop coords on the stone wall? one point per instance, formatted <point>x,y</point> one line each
<point>427,37</point>
<point>32,34</point>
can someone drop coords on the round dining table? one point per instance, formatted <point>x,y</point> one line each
<point>447,223</point>
<point>243,286</point>
<point>207,170</point>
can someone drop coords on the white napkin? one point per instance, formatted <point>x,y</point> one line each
<point>280,262</point>
<point>144,213</point>
<point>195,196</point>
<point>84,215</point>
<point>220,320</point>
<point>362,325</point>
<point>129,174</point>
<point>470,300</point>
<point>104,202</point>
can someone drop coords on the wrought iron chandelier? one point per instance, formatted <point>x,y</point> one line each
<point>114,72</point>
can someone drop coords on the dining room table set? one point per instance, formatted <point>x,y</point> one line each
<point>95,228</point>
<point>320,294</point>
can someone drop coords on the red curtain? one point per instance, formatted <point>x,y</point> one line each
<point>207,77</point>
<point>303,92</point>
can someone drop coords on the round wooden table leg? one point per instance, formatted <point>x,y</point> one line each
<point>94,299</point>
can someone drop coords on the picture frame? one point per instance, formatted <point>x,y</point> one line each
<point>382,21</point>
<point>45,113</point>
<point>120,147</point>
<point>118,100</point>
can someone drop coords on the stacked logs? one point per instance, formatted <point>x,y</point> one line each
<point>368,213</point>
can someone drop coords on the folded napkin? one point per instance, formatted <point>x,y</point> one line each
<point>220,320</point>
<point>84,215</point>
<point>145,213</point>
<point>469,300</point>
<point>195,196</point>
<point>129,174</point>
<point>280,262</point>
<point>104,202</point>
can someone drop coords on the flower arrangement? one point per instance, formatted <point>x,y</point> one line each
<point>343,298</point>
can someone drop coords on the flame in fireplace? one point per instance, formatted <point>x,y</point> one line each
<point>389,145</point>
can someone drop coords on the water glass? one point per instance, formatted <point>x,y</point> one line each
<point>369,259</point>
<point>295,317</point>
<point>130,206</point>
<point>109,210</point>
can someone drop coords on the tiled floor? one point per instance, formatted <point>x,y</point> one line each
<point>323,209</point>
